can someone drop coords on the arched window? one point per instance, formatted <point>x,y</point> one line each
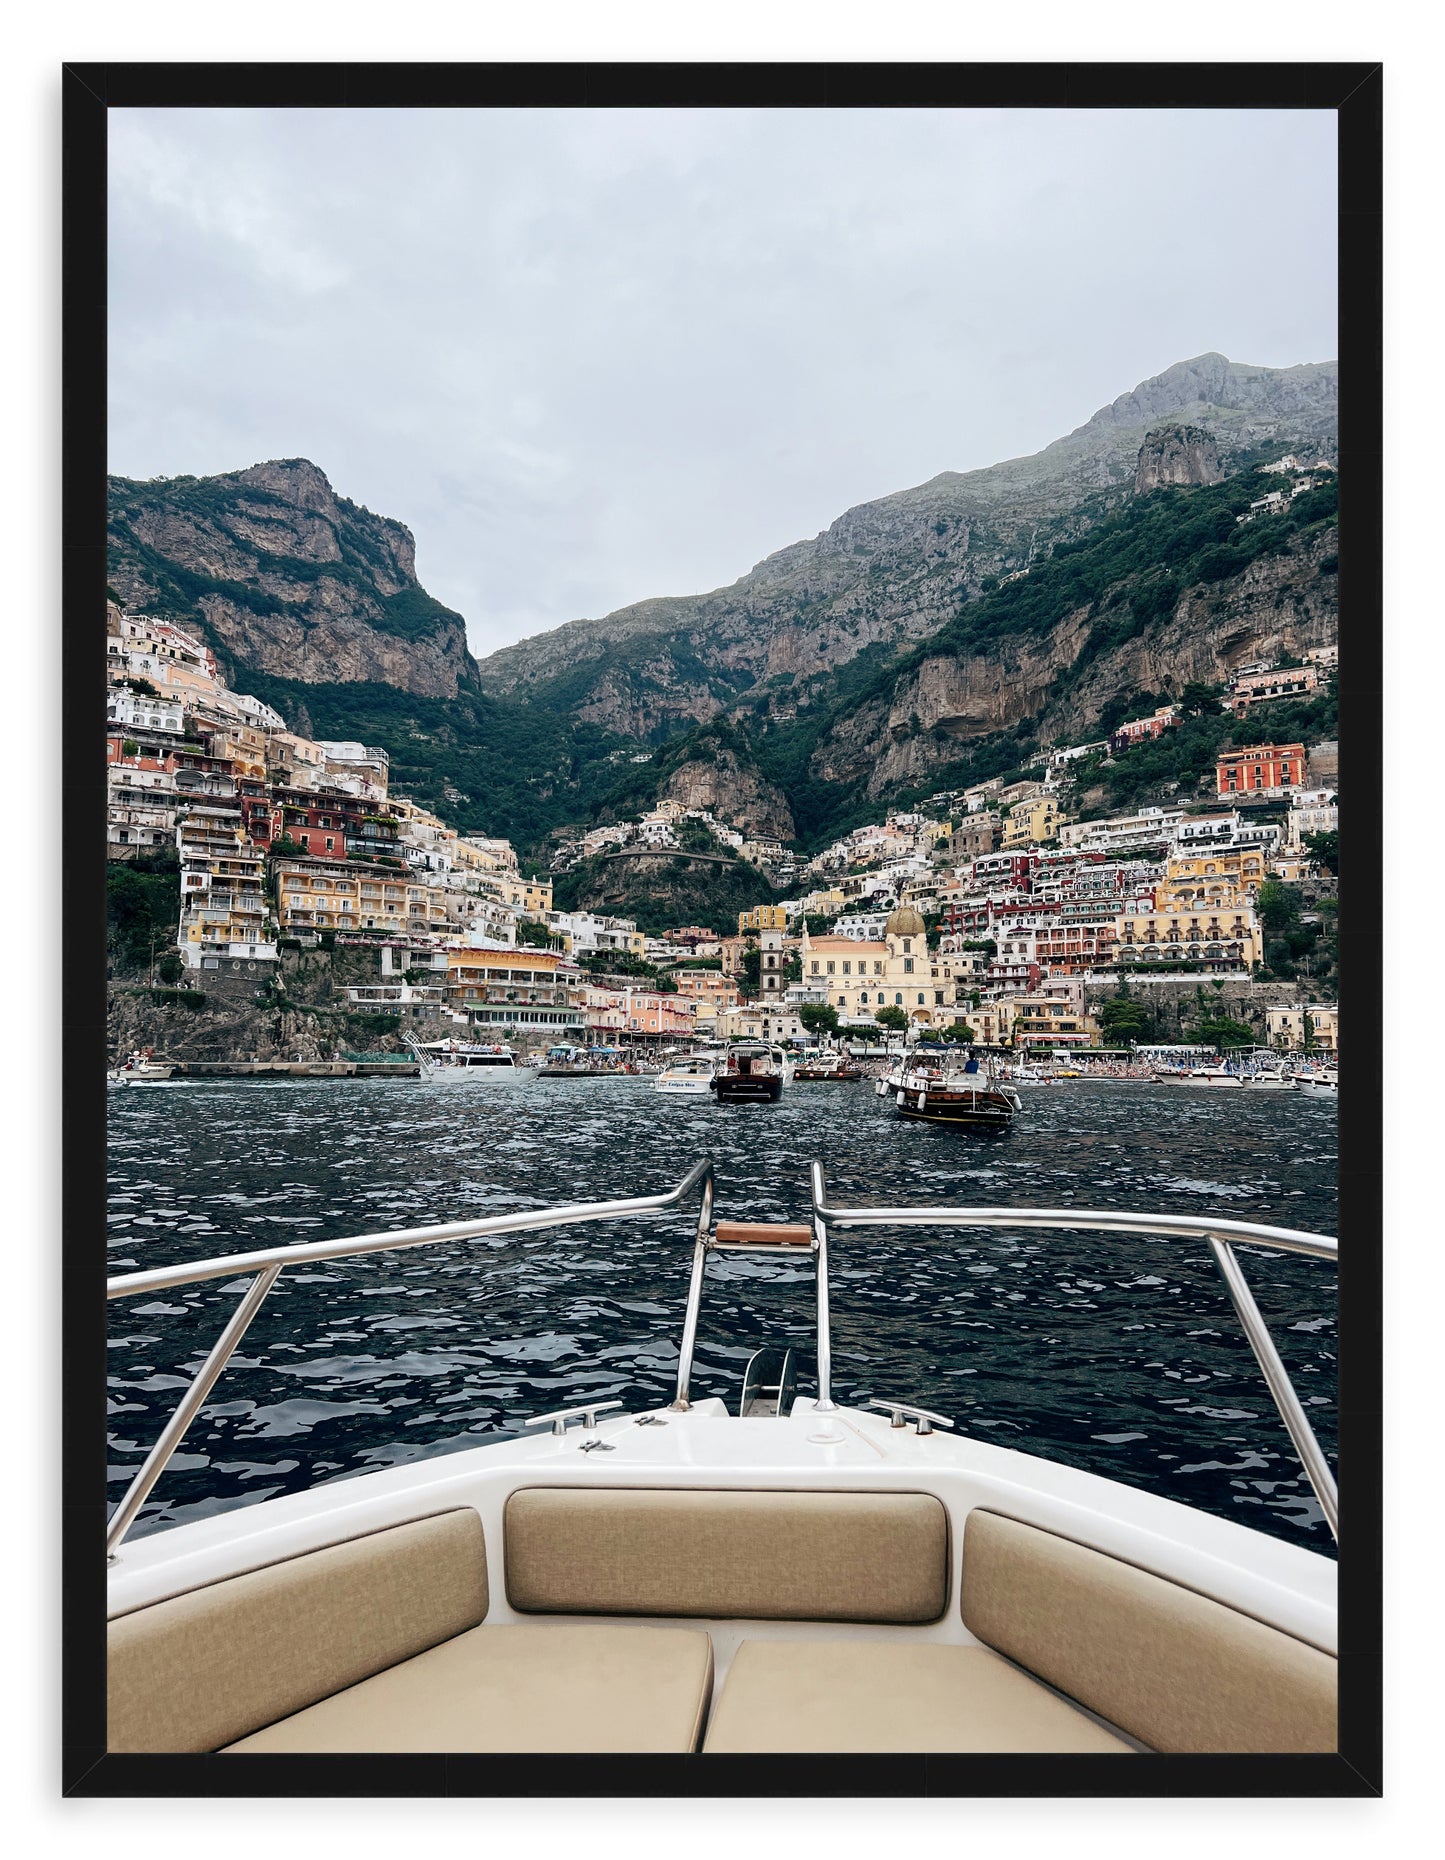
<point>898,1001</point>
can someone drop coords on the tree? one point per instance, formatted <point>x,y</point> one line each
<point>793,968</point>
<point>1198,699</point>
<point>1223,1033</point>
<point>959,1030</point>
<point>1325,848</point>
<point>1127,1022</point>
<point>892,1017</point>
<point>818,1017</point>
<point>1278,906</point>
<point>752,976</point>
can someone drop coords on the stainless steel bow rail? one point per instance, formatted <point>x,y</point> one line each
<point>1220,1236</point>
<point>268,1265</point>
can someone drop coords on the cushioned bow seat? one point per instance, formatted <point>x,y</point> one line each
<point>859,1695</point>
<point>510,1688</point>
<point>378,1644</point>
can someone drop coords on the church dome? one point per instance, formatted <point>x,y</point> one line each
<point>903,920</point>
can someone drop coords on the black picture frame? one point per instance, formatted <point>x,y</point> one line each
<point>1355,93</point>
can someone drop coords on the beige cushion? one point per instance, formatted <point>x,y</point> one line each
<point>852,1695</point>
<point>1173,1668</point>
<point>202,1669</point>
<point>799,1556</point>
<point>537,1686</point>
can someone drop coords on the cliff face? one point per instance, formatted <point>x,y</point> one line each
<point>1284,601</point>
<point>1177,455</point>
<point>891,572</point>
<point>283,576</point>
<point>734,792</point>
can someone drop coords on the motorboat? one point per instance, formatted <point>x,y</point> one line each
<point>690,1076</point>
<point>831,1067</point>
<point>752,1072</point>
<point>462,1057</point>
<point>138,1068</point>
<point>957,1090</point>
<point>1317,1081</point>
<point>795,1576</point>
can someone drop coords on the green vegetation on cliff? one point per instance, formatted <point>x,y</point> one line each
<point>659,889</point>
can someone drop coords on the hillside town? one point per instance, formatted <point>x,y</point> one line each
<point>999,913</point>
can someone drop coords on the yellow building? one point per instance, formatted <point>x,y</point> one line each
<point>762,917</point>
<point>1051,1017</point>
<point>858,978</point>
<point>335,894</point>
<point>1213,878</point>
<point>1287,1027</point>
<point>516,990</point>
<point>1032,822</point>
<point>1203,913</point>
<point>1211,934</point>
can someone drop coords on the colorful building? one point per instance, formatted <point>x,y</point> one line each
<point>1263,768</point>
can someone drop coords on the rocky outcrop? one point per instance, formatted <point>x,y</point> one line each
<point>283,576</point>
<point>1177,455</point>
<point>894,571</point>
<point>734,793</point>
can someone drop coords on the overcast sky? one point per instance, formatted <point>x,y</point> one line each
<point>590,357</point>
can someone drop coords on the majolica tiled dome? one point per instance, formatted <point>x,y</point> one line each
<point>903,920</point>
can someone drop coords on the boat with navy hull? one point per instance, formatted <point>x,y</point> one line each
<point>788,1575</point>
<point>752,1073</point>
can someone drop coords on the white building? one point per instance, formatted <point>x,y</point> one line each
<point>131,710</point>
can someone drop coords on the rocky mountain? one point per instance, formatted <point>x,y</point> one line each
<point>938,633</point>
<point>1177,454</point>
<point>893,571</point>
<point>282,576</point>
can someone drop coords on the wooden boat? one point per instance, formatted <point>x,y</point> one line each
<point>965,1091</point>
<point>833,1068</point>
<point>754,1073</point>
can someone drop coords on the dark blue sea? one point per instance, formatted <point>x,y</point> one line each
<point>1120,1355</point>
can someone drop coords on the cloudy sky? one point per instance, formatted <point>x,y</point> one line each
<point>591,357</point>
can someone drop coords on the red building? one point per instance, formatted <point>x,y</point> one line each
<point>1144,729</point>
<point>329,826</point>
<point>1260,769</point>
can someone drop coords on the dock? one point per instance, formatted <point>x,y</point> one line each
<point>296,1068</point>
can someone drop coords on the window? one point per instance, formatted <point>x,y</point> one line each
<point>830,968</point>
<point>877,968</point>
<point>898,1001</point>
<point>863,999</point>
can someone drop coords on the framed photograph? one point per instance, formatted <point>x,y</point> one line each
<point>741,730</point>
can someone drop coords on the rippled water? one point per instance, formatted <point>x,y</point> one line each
<point>1120,1355</point>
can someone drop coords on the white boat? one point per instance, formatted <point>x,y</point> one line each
<point>138,1068</point>
<point>461,1058</point>
<point>1318,1081</point>
<point>796,1576</point>
<point>688,1077</point>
